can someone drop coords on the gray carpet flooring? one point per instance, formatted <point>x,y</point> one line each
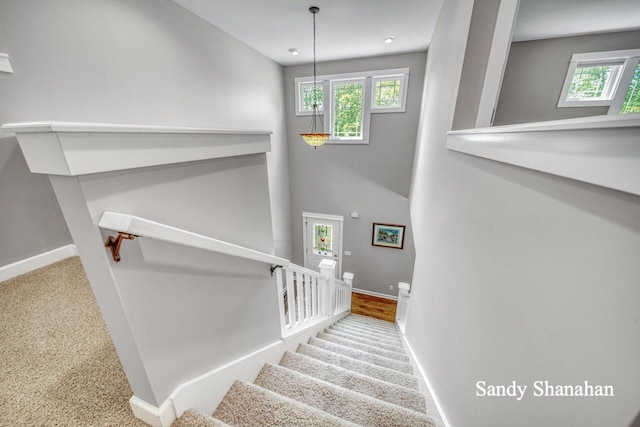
<point>354,373</point>
<point>58,364</point>
<point>59,368</point>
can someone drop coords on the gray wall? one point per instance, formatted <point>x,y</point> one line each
<point>372,179</point>
<point>141,62</point>
<point>519,275</point>
<point>189,310</point>
<point>536,71</point>
<point>30,219</point>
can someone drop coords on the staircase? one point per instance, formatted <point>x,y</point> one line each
<point>355,372</point>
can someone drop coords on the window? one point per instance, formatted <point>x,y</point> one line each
<point>631,102</point>
<point>348,109</point>
<point>603,79</point>
<point>322,239</point>
<point>305,97</point>
<point>594,82</point>
<point>347,101</point>
<point>388,93</point>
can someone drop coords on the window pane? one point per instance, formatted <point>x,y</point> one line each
<point>590,82</point>
<point>348,108</point>
<point>308,96</point>
<point>632,100</point>
<point>387,93</point>
<point>322,239</point>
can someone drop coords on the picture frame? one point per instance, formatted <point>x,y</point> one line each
<point>388,235</point>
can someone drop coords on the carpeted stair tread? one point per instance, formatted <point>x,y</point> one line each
<point>370,320</point>
<point>378,389</point>
<point>363,355</point>
<point>381,326</point>
<point>362,367</point>
<point>344,403</point>
<point>373,331</point>
<point>251,405</point>
<point>396,348</point>
<point>193,419</point>
<point>361,332</point>
<point>390,329</point>
<point>363,347</point>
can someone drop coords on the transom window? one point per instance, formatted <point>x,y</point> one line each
<point>388,93</point>
<point>347,101</point>
<point>307,96</point>
<point>603,79</point>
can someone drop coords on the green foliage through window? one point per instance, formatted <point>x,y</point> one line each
<point>590,82</point>
<point>308,96</point>
<point>632,100</point>
<point>387,93</point>
<point>348,108</point>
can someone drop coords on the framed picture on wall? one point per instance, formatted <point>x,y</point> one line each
<point>388,235</point>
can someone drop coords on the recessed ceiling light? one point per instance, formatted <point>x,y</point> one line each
<point>294,51</point>
<point>389,39</point>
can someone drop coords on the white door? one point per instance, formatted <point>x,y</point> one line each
<point>322,240</point>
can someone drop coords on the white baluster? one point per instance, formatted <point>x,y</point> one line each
<point>300,299</point>
<point>291,297</point>
<point>280,285</point>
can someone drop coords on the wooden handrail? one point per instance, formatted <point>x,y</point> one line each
<point>141,227</point>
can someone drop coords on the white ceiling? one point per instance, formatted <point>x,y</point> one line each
<point>357,28</point>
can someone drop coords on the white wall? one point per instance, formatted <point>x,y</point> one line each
<point>372,179</point>
<point>519,275</point>
<point>140,62</point>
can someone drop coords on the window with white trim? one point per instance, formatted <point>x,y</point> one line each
<point>347,101</point>
<point>603,79</point>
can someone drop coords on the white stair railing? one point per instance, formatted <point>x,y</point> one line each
<point>308,296</point>
<point>305,297</point>
<point>402,310</point>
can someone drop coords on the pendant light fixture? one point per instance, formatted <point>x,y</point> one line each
<point>315,137</point>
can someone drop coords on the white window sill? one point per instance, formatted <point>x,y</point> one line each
<point>600,150</point>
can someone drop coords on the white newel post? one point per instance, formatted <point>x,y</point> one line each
<point>348,279</point>
<point>403,305</point>
<point>327,268</point>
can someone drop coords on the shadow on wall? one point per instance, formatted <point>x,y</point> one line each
<point>32,222</point>
<point>636,421</point>
<point>620,207</point>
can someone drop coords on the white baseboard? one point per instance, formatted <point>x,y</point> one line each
<point>374,294</point>
<point>424,378</point>
<point>205,392</point>
<point>38,261</point>
<point>163,416</point>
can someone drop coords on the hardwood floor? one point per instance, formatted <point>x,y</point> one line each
<point>379,308</point>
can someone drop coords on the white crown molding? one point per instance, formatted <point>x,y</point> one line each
<point>72,149</point>
<point>601,150</point>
